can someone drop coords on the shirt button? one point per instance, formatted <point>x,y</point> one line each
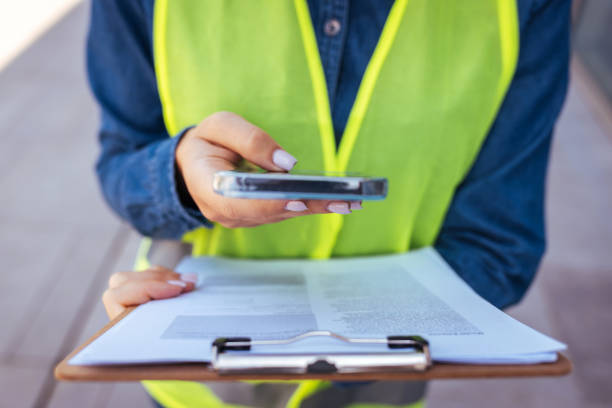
<point>332,27</point>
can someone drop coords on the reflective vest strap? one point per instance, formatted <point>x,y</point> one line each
<point>372,394</point>
<point>257,394</point>
<point>509,43</point>
<point>305,390</point>
<point>321,98</point>
<point>181,394</point>
<point>142,261</point>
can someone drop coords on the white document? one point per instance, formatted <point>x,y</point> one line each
<point>413,293</point>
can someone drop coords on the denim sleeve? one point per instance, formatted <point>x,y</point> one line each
<point>136,166</point>
<point>493,235</point>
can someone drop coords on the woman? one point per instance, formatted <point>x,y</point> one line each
<point>455,103</point>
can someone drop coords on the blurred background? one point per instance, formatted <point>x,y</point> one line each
<point>59,242</point>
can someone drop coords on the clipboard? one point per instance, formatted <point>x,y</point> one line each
<point>205,372</point>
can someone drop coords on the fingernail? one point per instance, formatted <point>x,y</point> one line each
<point>177,283</point>
<point>339,208</point>
<point>356,205</point>
<point>296,206</point>
<point>283,159</point>
<point>189,277</point>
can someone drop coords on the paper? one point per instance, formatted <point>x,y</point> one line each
<point>414,293</point>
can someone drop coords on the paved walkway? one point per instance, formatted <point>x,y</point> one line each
<point>59,243</point>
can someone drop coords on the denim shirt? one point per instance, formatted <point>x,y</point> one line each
<point>493,234</point>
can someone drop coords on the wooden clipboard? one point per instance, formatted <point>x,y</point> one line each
<point>203,371</point>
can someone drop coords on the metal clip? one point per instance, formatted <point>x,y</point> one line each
<point>416,356</point>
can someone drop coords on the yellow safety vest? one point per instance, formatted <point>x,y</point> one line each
<point>428,97</point>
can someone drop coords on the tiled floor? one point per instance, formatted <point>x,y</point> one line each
<point>59,243</point>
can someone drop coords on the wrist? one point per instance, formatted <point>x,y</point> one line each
<point>181,151</point>
<point>179,180</point>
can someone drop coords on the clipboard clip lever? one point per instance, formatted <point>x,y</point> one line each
<point>231,355</point>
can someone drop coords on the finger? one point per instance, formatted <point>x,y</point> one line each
<point>137,292</point>
<point>252,143</point>
<point>296,206</point>
<point>324,207</point>
<point>356,205</point>
<point>154,273</point>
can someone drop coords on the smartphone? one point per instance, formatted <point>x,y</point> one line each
<point>302,186</point>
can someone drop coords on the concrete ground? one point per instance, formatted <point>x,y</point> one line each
<point>59,243</point>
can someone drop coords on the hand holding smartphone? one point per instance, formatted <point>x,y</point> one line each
<point>225,141</point>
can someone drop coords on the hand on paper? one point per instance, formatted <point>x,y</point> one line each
<point>220,142</point>
<point>127,289</point>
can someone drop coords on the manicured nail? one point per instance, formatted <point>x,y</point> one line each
<point>296,206</point>
<point>283,159</point>
<point>178,283</point>
<point>356,205</point>
<point>339,208</point>
<point>189,277</point>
